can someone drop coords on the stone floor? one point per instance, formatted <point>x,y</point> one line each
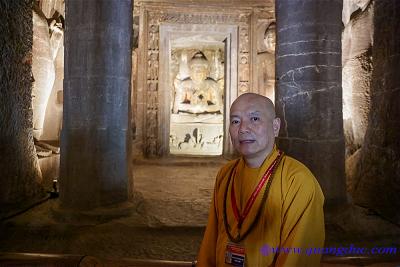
<point>166,221</point>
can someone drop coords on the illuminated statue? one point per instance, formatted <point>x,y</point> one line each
<point>45,48</point>
<point>266,63</point>
<point>197,93</point>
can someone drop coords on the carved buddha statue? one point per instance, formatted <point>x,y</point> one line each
<point>197,93</point>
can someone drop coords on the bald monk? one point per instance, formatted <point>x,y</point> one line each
<point>265,202</point>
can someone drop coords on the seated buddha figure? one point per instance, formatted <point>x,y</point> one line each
<point>197,93</point>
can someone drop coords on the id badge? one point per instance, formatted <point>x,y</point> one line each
<point>235,254</point>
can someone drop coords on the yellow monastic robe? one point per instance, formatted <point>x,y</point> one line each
<point>292,216</point>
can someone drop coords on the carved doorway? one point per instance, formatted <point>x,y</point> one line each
<point>197,83</point>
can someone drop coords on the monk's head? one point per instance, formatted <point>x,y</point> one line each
<point>253,127</point>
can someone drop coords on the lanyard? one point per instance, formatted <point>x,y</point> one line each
<point>249,204</point>
<point>239,238</point>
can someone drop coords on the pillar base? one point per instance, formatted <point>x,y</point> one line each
<point>94,216</point>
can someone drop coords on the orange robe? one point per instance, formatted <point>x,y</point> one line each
<point>291,218</point>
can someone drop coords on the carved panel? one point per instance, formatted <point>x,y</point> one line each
<point>152,88</point>
<point>244,39</point>
<point>244,48</point>
<point>243,87</point>
<point>244,68</point>
<point>153,37</point>
<point>196,18</point>
<point>264,79</point>
<point>197,138</point>
<point>152,71</point>
<point>155,17</point>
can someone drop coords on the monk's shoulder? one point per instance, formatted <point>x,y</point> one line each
<point>295,174</point>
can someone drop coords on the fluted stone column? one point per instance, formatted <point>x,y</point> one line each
<point>309,91</point>
<point>95,142</point>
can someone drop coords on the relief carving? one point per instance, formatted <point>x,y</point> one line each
<point>244,67</point>
<point>153,64</point>
<point>152,100</point>
<point>197,93</point>
<point>199,18</point>
<point>153,37</point>
<point>244,39</point>
<point>243,87</point>
<point>266,63</point>
<point>244,18</point>
<point>152,85</point>
<point>151,148</point>
<point>196,140</point>
<point>196,90</point>
<point>151,123</point>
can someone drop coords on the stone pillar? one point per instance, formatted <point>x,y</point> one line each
<point>95,143</point>
<point>309,91</point>
<point>378,170</point>
<point>20,174</point>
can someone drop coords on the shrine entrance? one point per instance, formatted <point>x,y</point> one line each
<point>197,82</point>
<point>197,89</point>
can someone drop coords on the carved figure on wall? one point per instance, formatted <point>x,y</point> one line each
<point>197,93</point>
<point>195,140</point>
<point>152,86</point>
<point>45,47</point>
<point>153,42</point>
<point>152,147</point>
<point>152,100</point>
<point>244,73</point>
<point>266,63</point>
<point>153,67</point>
<point>244,40</point>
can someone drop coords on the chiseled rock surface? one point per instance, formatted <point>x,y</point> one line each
<point>379,168</point>
<point>357,40</point>
<point>20,173</point>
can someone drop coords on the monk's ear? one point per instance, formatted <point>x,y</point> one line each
<point>276,124</point>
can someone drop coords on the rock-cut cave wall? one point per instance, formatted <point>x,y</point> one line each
<point>20,173</point>
<point>357,41</point>
<point>377,173</point>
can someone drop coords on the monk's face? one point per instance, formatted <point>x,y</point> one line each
<point>253,126</point>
